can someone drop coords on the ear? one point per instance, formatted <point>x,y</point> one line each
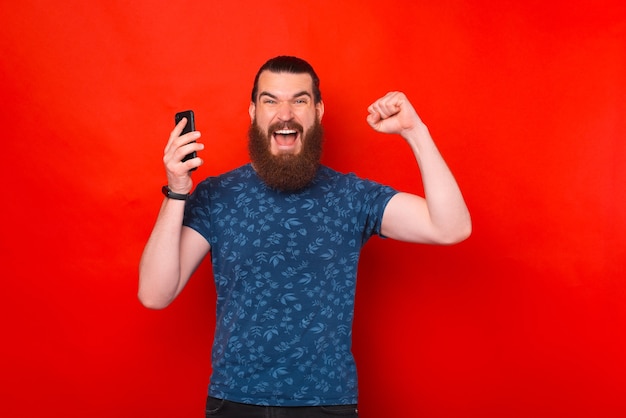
<point>252,111</point>
<point>320,110</point>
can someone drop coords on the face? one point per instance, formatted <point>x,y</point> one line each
<point>285,137</point>
<point>285,109</point>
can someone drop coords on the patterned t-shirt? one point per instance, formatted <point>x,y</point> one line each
<point>285,267</point>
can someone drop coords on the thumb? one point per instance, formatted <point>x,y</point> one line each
<point>373,119</point>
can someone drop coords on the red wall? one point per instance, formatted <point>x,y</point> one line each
<point>525,99</point>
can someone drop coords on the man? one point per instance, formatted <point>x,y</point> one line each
<point>285,234</point>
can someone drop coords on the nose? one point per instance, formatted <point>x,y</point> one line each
<point>285,112</point>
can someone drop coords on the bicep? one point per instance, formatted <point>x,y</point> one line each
<point>406,218</point>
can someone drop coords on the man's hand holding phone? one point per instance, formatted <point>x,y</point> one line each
<point>180,155</point>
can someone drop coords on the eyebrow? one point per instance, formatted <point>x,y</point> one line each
<point>270,95</point>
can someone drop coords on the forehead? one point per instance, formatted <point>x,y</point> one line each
<point>285,84</point>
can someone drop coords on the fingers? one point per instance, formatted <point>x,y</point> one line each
<point>175,134</point>
<point>387,106</point>
<point>178,146</point>
<point>382,113</point>
<point>393,114</point>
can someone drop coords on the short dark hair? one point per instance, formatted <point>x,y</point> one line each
<point>288,64</point>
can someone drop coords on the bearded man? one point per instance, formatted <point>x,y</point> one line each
<point>282,156</point>
<point>285,234</point>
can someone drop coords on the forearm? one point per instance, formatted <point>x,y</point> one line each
<point>447,210</point>
<point>159,269</point>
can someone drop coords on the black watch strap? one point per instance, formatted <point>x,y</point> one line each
<point>171,195</point>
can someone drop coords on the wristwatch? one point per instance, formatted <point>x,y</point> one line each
<point>171,195</point>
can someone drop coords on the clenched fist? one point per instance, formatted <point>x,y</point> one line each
<point>393,114</point>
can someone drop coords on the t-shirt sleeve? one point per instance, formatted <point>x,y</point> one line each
<point>372,198</point>
<point>198,211</point>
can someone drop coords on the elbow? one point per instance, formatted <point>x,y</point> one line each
<point>152,301</point>
<point>457,235</point>
<point>151,292</point>
<point>464,233</point>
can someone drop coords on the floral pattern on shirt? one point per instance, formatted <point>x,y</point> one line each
<point>285,268</point>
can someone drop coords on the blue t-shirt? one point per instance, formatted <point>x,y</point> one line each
<point>285,267</point>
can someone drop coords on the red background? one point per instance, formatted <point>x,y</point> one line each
<point>526,100</point>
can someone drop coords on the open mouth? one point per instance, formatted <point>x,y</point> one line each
<point>285,137</point>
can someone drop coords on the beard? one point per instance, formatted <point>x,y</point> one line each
<point>286,172</point>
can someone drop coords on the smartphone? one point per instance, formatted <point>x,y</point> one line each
<point>189,127</point>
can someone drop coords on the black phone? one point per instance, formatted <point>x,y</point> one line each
<point>189,127</point>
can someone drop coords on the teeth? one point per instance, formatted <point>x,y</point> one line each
<point>285,132</point>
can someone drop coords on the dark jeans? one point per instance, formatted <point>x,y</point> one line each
<point>226,409</point>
